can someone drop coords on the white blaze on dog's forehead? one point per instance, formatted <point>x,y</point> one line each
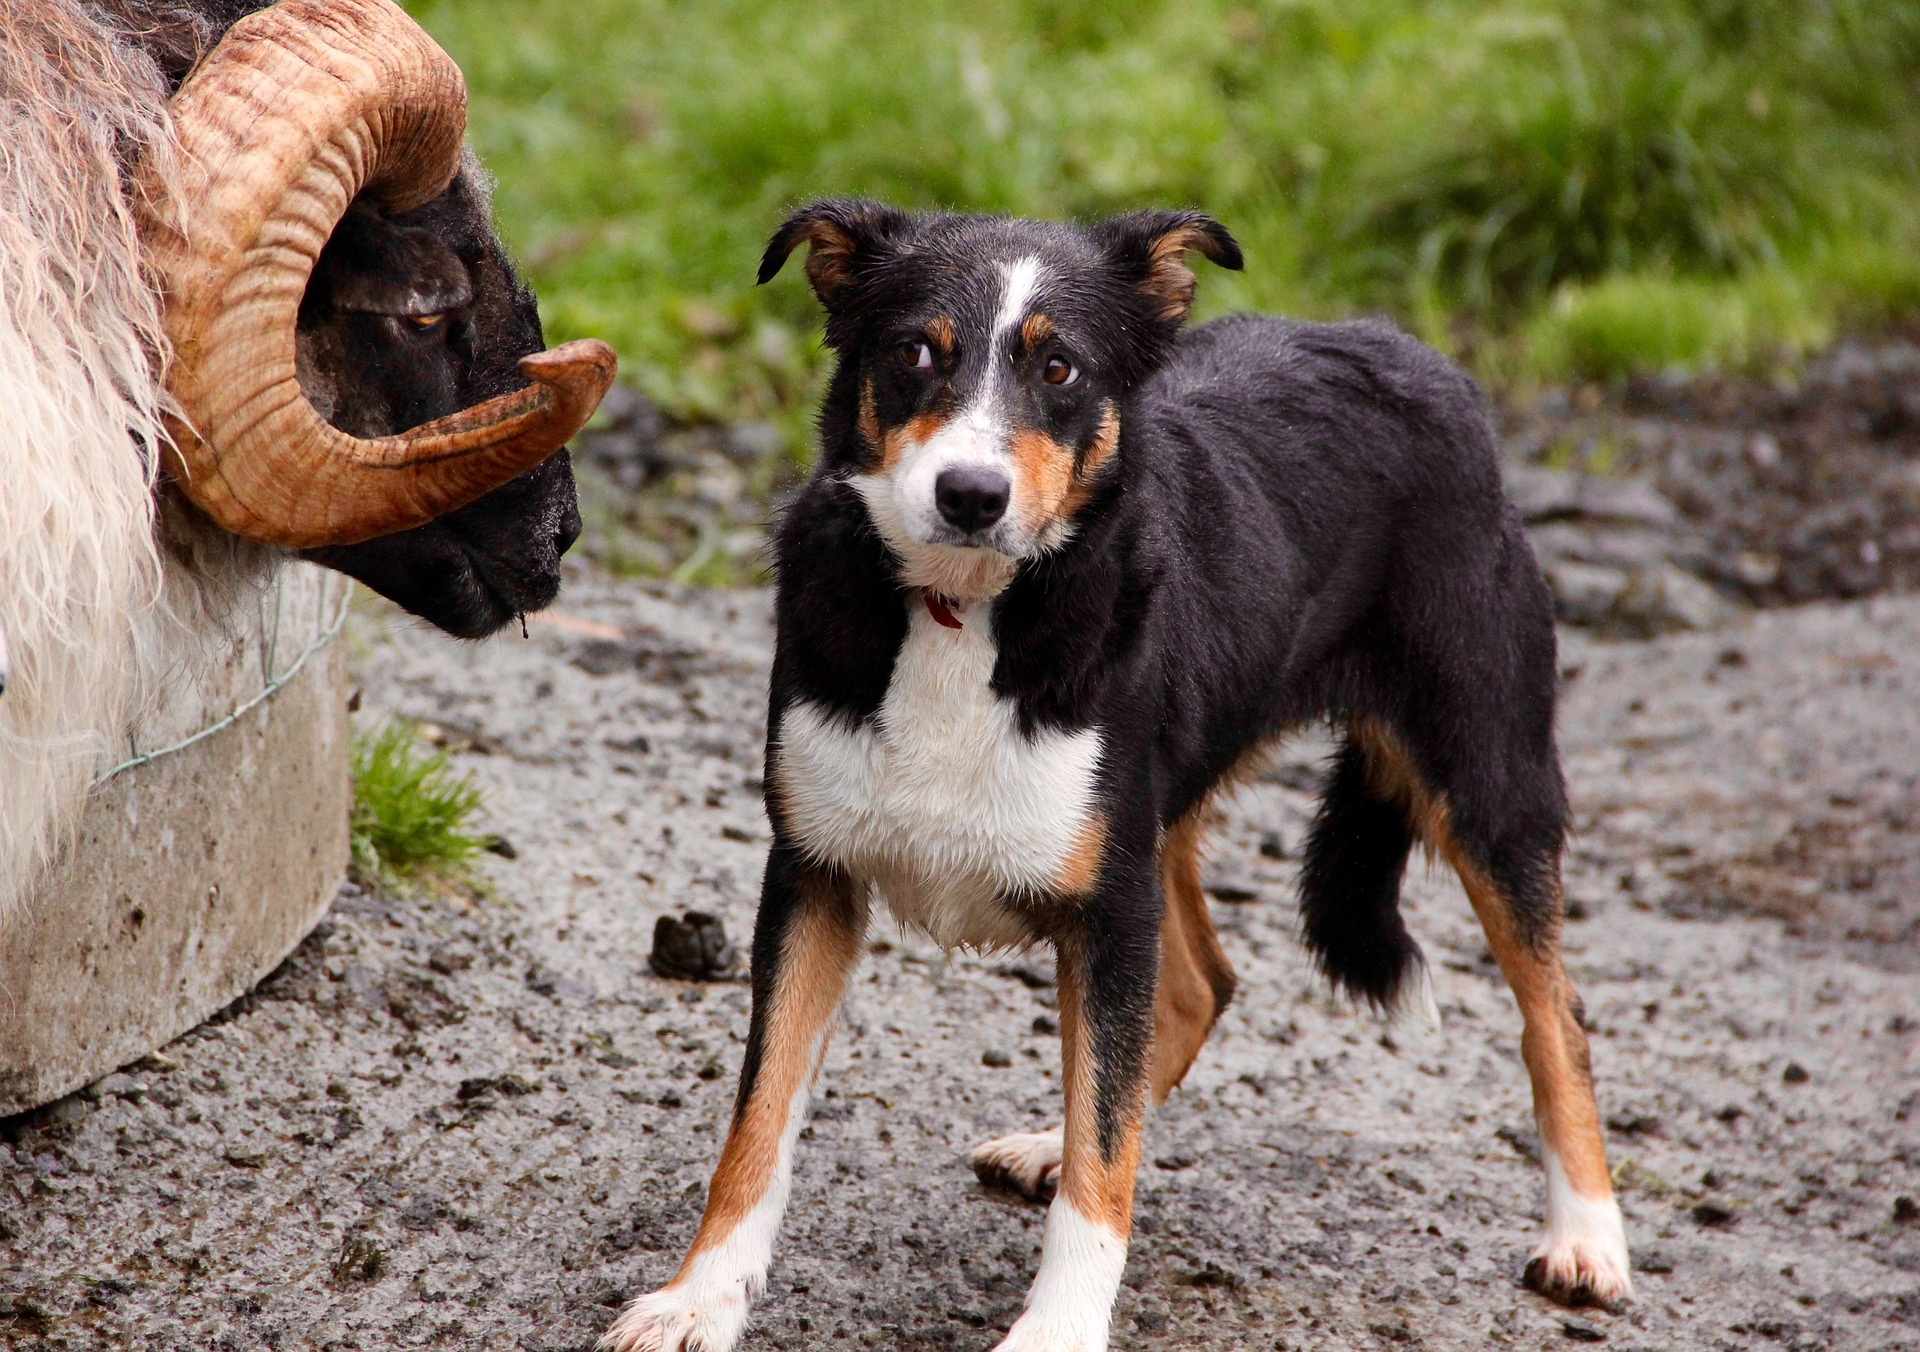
<point>1022,279</point>
<point>903,502</point>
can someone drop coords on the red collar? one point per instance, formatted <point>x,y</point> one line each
<point>941,612</point>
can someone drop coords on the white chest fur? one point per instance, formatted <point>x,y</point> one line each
<point>940,799</point>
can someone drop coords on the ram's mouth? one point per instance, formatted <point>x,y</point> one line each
<point>506,594</point>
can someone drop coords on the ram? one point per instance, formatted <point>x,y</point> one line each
<point>242,250</point>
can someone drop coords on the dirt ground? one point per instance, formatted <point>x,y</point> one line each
<point>482,1124</point>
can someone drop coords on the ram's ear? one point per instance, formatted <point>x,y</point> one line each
<point>1149,248</point>
<point>847,235</point>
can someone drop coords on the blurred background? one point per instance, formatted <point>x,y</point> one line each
<point>1580,200</point>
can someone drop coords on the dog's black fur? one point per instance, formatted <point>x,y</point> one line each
<point>1171,549</point>
<point>1303,522</point>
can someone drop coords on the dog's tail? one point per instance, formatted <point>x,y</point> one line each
<point>1350,889</point>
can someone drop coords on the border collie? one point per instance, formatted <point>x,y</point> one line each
<point>1064,573</point>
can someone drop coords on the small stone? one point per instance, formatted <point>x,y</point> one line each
<point>119,1084</point>
<point>558,988</point>
<point>362,985</point>
<point>1714,1214</point>
<point>1666,598</point>
<point>1585,593</point>
<point>692,948</point>
<point>500,845</point>
<point>1035,976</point>
<point>1795,1073</point>
<point>66,1112</point>
<point>996,1058</point>
<point>1174,1163</point>
<point>449,958</point>
<point>1580,1331</point>
<point>1652,1260</point>
<point>1525,1140</point>
<point>1630,500</point>
<point>1631,1123</point>
<point>1225,882</point>
<point>1046,1026</point>
<point>1905,1211</point>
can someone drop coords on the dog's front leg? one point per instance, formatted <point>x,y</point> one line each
<point>805,942</point>
<point>1107,974</point>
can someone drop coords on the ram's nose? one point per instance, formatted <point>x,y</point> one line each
<point>972,497</point>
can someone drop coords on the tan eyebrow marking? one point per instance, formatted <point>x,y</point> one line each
<point>1036,330</point>
<point>940,330</point>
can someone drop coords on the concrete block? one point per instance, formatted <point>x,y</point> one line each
<point>194,874</point>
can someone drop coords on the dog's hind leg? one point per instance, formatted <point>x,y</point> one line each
<point>1511,872</point>
<point>1196,979</point>
<point>1584,1257</point>
<point>1196,984</point>
<point>805,943</point>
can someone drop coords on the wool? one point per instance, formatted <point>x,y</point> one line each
<point>107,587</point>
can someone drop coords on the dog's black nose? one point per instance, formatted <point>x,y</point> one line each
<point>971,497</point>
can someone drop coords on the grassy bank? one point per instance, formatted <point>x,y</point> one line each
<point>1547,189</point>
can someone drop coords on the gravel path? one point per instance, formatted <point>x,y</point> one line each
<point>482,1124</point>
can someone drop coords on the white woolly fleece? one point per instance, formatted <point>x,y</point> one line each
<point>92,617</point>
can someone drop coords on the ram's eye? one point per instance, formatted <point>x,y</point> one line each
<point>1059,371</point>
<point>424,321</point>
<point>917,355</point>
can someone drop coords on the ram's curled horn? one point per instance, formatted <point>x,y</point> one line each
<point>299,109</point>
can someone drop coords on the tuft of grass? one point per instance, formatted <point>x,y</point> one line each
<point>1611,180</point>
<point>1636,322</point>
<point>410,813</point>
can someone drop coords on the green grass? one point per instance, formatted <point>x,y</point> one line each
<point>1548,189</point>
<point>410,813</point>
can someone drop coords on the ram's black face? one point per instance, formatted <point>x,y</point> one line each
<point>404,321</point>
<point>409,319</point>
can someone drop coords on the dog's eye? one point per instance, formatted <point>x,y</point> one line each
<point>917,355</point>
<point>1060,371</point>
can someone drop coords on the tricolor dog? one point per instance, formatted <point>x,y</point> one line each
<point>1064,572</point>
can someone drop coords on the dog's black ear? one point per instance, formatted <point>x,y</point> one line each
<point>1150,250</point>
<point>847,234</point>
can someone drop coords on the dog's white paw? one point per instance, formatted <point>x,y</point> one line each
<point>1027,1162</point>
<point>1029,1335</point>
<point>680,1320</point>
<point>1583,1260</point>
